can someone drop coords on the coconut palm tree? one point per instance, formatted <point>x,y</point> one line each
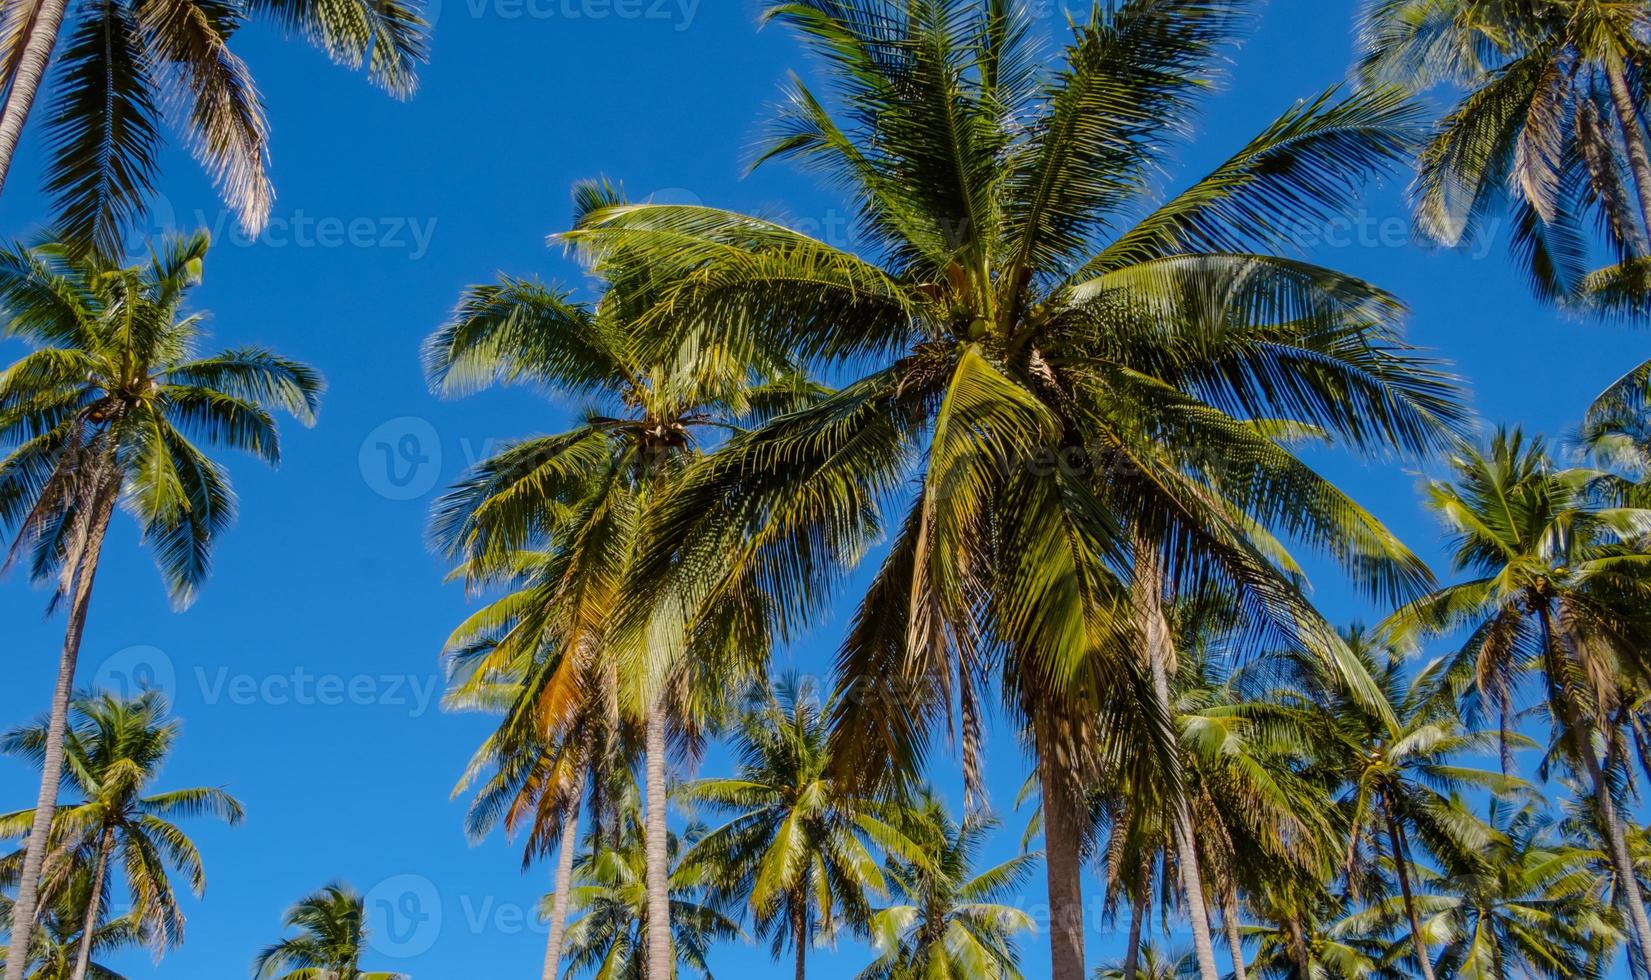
<point>332,937</point>
<point>798,849</point>
<point>1558,592</point>
<point>1551,122</point>
<point>57,937</point>
<point>115,751</point>
<point>1250,766</point>
<point>1309,935</point>
<point>1245,760</point>
<point>584,496</point>
<point>535,782</point>
<point>1152,963</point>
<point>1525,905</point>
<point>123,63</point>
<point>109,408</point>
<point>948,918</point>
<point>1062,383</point>
<point>1401,770</point>
<point>610,897</point>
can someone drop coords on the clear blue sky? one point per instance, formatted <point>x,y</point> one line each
<point>307,672</point>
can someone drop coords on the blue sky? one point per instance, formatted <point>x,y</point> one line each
<point>307,673</point>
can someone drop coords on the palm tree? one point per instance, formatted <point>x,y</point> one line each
<point>947,919</point>
<point>1058,388</point>
<point>610,896</point>
<point>1309,935</point>
<point>1246,770</point>
<point>1524,905</point>
<point>1401,768</point>
<point>1557,591</point>
<point>796,850</point>
<point>1152,963</point>
<point>535,782</point>
<point>1249,765</point>
<point>115,752</point>
<point>584,496</point>
<point>1552,106</point>
<point>124,62</point>
<point>332,936</point>
<point>104,411</point>
<point>57,937</point>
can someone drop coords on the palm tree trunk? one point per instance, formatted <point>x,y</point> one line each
<point>1132,955</point>
<point>1605,798</point>
<point>1298,947</point>
<point>1622,863</point>
<point>1633,135</point>
<point>51,764</point>
<point>1192,881</point>
<point>658,872</point>
<point>1062,866</point>
<point>1235,939</point>
<point>83,955</point>
<point>564,881</point>
<point>799,934</point>
<point>39,38</point>
<point>1160,648</point>
<point>1401,864</point>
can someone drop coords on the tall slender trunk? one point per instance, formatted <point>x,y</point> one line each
<point>1633,135</point>
<point>1062,866</point>
<point>94,905</point>
<point>1132,955</point>
<point>51,764</point>
<point>1160,648</point>
<point>564,880</point>
<point>1622,863</point>
<point>40,36</point>
<point>1401,865</point>
<point>658,873</point>
<point>1298,948</point>
<point>1637,968</point>
<point>799,933</point>
<point>1235,938</point>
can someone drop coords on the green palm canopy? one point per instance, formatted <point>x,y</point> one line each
<point>1555,597</point>
<point>127,68</point>
<point>798,849</point>
<point>113,406</point>
<point>1550,125</point>
<point>332,938</point>
<point>1051,364</point>
<point>115,751</point>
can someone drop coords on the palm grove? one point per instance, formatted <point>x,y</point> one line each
<point>1063,418</point>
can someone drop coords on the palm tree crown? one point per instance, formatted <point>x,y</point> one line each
<point>796,850</point>
<point>123,65</point>
<point>1552,122</point>
<point>112,400</point>
<point>332,937</point>
<point>949,918</point>
<point>1057,377</point>
<point>115,753</point>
